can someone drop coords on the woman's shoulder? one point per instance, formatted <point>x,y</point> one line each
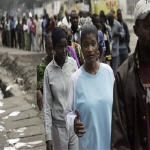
<point>106,67</point>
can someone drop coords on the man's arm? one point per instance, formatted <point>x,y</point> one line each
<point>47,99</point>
<point>119,135</point>
<point>127,33</point>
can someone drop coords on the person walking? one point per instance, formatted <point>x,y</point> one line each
<point>55,93</point>
<point>131,107</point>
<point>87,97</point>
<point>124,48</point>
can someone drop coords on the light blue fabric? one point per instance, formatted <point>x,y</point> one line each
<point>93,98</point>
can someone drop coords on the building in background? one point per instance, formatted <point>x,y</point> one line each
<point>127,7</point>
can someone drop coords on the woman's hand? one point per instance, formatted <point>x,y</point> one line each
<point>79,127</point>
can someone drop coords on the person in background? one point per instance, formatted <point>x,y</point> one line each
<point>52,24</point>
<point>13,33</point>
<point>55,93</point>
<point>117,32</point>
<point>44,33</point>
<point>131,107</point>
<point>76,47</point>
<point>33,35</point>
<point>101,42</point>
<point>38,32</point>
<point>75,27</point>
<point>66,20</point>
<point>106,29</point>
<point>4,37</point>
<point>41,68</point>
<point>19,31</point>
<point>25,33</point>
<point>60,17</point>
<point>87,97</point>
<point>28,35</point>
<point>123,42</point>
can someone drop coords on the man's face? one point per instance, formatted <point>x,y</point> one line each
<point>74,20</point>
<point>90,48</point>
<point>61,49</point>
<point>111,20</point>
<point>49,49</point>
<point>96,22</point>
<point>143,33</point>
<point>119,15</point>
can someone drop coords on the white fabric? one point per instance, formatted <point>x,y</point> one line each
<point>70,115</point>
<point>25,27</point>
<point>55,93</point>
<point>65,22</point>
<point>64,139</point>
<point>142,8</point>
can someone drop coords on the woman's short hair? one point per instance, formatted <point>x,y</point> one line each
<point>88,29</point>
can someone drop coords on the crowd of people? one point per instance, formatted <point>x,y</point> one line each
<point>93,95</point>
<point>88,102</point>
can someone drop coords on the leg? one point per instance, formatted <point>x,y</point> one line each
<point>73,140</point>
<point>60,138</point>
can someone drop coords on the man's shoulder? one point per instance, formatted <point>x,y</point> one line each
<point>117,23</point>
<point>50,67</point>
<point>127,67</point>
<point>70,60</point>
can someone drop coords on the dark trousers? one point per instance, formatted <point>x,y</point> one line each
<point>13,38</point>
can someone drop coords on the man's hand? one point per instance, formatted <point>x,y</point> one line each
<point>49,145</point>
<point>39,100</point>
<point>79,128</point>
<point>117,34</point>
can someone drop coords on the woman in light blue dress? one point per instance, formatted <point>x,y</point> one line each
<point>91,93</point>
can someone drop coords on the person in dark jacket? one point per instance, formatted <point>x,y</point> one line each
<point>131,107</point>
<point>19,30</point>
<point>123,42</point>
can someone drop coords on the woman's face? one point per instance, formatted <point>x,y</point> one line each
<point>90,48</point>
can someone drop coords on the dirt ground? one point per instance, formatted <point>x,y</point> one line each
<point>22,65</point>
